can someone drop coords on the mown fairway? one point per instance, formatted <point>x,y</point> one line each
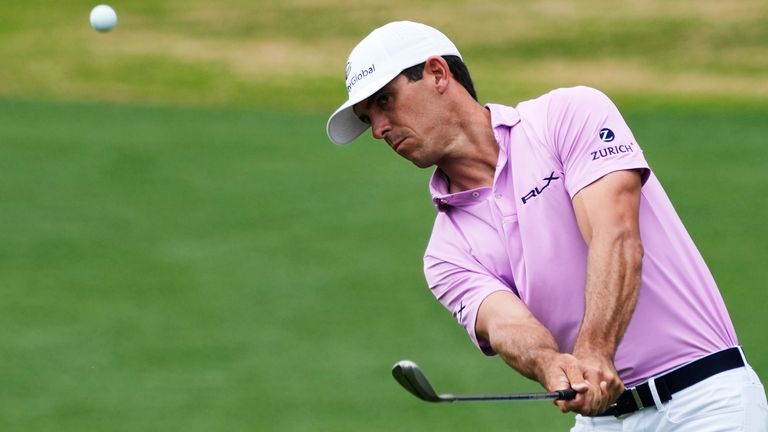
<point>190,269</point>
<point>181,248</point>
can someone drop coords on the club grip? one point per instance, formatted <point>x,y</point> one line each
<point>568,394</point>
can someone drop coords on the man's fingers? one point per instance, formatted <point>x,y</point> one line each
<point>595,382</point>
<point>581,387</point>
<point>575,377</point>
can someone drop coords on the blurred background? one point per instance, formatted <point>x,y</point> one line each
<point>181,247</point>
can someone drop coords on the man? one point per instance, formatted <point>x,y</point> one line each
<point>554,244</point>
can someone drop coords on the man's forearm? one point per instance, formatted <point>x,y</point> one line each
<point>612,288</point>
<point>516,335</point>
<point>526,347</point>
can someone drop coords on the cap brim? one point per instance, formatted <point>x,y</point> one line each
<point>344,126</point>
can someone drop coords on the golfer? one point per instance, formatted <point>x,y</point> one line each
<point>554,244</point>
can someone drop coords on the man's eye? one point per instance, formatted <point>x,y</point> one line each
<point>382,100</point>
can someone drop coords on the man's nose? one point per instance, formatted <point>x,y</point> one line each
<point>380,125</point>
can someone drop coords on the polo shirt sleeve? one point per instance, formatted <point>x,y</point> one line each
<point>590,137</point>
<point>459,282</point>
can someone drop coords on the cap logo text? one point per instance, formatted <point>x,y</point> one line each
<point>356,77</point>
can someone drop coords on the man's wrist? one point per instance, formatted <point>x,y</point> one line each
<point>588,349</point>
<point>547,361</point>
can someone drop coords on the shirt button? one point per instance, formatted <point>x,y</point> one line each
<point>498,196</point>
<point>475,194</point>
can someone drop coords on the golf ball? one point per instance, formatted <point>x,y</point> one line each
<point>103,18</point>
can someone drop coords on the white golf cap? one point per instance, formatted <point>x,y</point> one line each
<point>376,61</point>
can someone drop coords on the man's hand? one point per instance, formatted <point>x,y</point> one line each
<point>595,380</point>
<point>529,347</point>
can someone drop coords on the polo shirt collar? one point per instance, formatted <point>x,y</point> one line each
<point>501,116</point>
<point>442,199</point>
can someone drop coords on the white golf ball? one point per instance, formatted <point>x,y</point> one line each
<point>103,18</point>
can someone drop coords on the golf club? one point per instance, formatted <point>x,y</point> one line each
<point>410,376</point>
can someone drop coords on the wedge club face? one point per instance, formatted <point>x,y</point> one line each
<point>410,376</point>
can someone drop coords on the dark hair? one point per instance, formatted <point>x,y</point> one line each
<point>457,67</point>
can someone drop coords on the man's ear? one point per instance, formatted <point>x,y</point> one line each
<point>436,69</point>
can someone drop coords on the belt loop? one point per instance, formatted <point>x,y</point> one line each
<point>655,393</point>
<point>750,373</point>
<point>743,356</point>
<point>636,397</point>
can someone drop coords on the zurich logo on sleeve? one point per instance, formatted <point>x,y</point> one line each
<point>606,135</point>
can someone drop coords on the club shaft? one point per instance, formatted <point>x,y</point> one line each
<point>516,396</point>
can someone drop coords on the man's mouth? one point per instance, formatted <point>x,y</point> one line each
<point>396,143</point>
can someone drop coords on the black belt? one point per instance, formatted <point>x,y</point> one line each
<point>640,396</point>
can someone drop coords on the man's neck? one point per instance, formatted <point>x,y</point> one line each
<point>471,160</point>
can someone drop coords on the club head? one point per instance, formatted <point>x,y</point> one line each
<point>408,374</point>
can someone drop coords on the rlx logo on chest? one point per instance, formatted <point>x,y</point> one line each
<point>539,190</point>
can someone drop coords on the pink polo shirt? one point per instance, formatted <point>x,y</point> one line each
<point>521,236</point>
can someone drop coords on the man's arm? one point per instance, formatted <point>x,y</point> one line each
<point>607,212</point>
<point>525,344</point>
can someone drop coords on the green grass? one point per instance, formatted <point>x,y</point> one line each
<point>182,248</point>
<point>207,269</point>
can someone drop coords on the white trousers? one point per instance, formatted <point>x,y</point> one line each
<point>730,401</point>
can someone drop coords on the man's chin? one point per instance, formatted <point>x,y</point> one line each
<point>412,155</point>
<point>420,163</point>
